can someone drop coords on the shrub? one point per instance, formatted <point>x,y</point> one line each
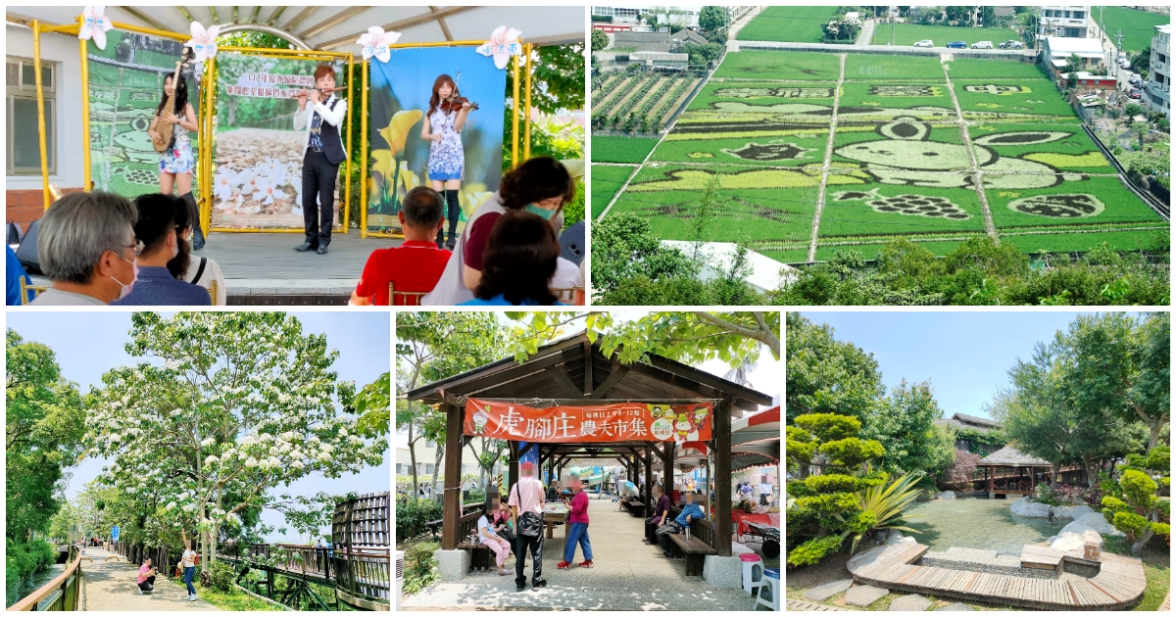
<point>852,451</point>
<point>412,516</point>
<point>221,576</point>
<point>831,483</point>
<point>814,550</point>
<point>1138,488</point>
<point>962,467</point>
<point>1130,523</point>
<point>829,426</point>
<point>1046,495</point>
<point>420,569</point>
<point>828,505</point>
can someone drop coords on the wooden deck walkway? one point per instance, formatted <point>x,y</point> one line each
<point>1119,584</point>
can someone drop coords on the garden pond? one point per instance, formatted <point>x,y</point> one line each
<point>977,523</point>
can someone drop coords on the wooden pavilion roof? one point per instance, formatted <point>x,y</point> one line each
<point>1009,456</point>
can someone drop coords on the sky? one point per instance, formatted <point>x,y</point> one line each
<point>965,355</point>
<point>89,344</point>
<point>767,377</point>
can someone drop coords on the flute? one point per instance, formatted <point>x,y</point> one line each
<point>305,91</point>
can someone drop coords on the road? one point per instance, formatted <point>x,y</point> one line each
<point>110,586</point>
<point>1003,54</point>
<point>737,25</point>
<point>867,32</point>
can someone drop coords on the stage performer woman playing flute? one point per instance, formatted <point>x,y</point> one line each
<point>324,152</point>
<point>444,121</point>
<point>176,164</point>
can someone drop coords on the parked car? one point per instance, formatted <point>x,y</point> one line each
<point>1135,80</point>
<point>1134,94</point>
<point>1124,63</point>
<point>925,43</point>
<point>956,45</point>
<point>1011,44</point>
<point>982,45</point>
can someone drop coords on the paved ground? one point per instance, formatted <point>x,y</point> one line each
<point>110,586</point>
<point>628,576</point>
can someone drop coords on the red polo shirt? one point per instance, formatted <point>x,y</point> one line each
<point>412,266</point>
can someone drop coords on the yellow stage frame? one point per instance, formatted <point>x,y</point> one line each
<point>206,153</point>
<point>515,138</point>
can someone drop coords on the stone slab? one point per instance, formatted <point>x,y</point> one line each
<point>452,565</point>
<point>864,595</point>
<point>913,602</point>
<point>958,606</point>
<point>723,571</point>
<point>827,590</point>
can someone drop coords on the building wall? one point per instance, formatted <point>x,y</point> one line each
<point>1157,94</point>
<point>1062,21</point>
<point>23,193</point>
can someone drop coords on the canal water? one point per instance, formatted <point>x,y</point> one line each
<point>978,523</point>
<point>31,584</point>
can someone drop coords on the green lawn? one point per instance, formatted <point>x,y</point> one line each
<point>234,600</point>
<point>791,256</point>
<point>826,252</point>
<point>1081,241</point>
<point>1138,26</point>
<point>906,35</point>
<point>1032,98</point>
<point>847,213</point>
<point>1075,152</point>
<point>975,68</point>
<point>874,67</point>
<point>780,65</point>
<point>607,149</point>
<point>1119,205</point>
<point>607,181</point>
<point>806,148</point>
<point>789,24</point>
<point>738,215</point>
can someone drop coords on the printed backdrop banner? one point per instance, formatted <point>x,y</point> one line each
<point>126,85</point>
<point>399,99</point>
<point>588,423</point>
<point>258,160</point>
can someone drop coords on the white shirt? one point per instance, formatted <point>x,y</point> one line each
<point>333,117</point>
<point>485,528</point>
<point>450,289</point>
<point>765,489</point>
<point>212,272</point>
<point>567,275</point>
<point>188,559</point>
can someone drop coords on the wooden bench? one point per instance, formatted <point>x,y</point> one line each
<point>480,557</point>
<point>637,509</point>
<point>695,550</point>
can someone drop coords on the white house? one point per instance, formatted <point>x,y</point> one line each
<point>1064,21</point>
<point>1156,93</point>
<point>1057,52</point>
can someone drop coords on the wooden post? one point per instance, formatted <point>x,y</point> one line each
<point>514,467</point>
<point>670,447</point>
<point>451,506</point>
<point>989,472</point>
<point>723,477</point>
<point>648,481</point>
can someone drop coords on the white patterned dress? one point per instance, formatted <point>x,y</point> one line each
<point>179,159</point>
<point>446,157</point>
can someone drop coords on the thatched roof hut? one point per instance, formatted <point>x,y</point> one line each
<point>1009,456</point>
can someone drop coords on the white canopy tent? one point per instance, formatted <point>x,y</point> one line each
<point>336,28</point>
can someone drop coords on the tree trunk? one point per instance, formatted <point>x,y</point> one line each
<point>1091,472</point>
<point>1137,548</point>
<point>1154,429</point>
<point>412,460</point>
<point>437,468</point>
<point>1053,481</point>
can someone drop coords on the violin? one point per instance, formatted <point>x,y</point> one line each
<point>454,103</point>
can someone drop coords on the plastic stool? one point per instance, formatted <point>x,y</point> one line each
<point>753,572</point>
<point>771,584</point>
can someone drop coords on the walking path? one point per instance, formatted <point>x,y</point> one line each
<point>628,576</point>
<point>976,173</point>
<point>820,207</point>
<point>110,586</point>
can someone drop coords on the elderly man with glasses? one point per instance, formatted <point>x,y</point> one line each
<point>87,248</point>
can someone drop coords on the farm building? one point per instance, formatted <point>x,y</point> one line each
<point>643,41</point>
<point>1057,52</point>
<point>661,61</point>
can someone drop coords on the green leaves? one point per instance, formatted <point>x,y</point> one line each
<point>814,550</point>
<point>852,451</point>
<point>829,426</point>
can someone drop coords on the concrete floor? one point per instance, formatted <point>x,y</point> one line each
<point>628,576</point>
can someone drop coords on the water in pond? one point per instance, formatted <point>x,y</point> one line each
<point>31,584</point>
<point>978,523</point>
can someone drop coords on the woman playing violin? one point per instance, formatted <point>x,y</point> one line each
<point>445,119</point>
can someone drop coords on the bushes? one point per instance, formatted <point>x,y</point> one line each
<point>814,550</point>
<point>412,517</point>
<point>221,576</point>
<point>30,558</point>
<point>1137,514</point>
<point>829,426</point>
<point>420,569</point>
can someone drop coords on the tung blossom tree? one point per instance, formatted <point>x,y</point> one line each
<point>223,407</point>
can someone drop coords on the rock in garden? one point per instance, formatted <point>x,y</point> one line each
<point>1097,522</point>
<point>864,595</point>
<point>1029,509</point>
<point>827,590</point>
<point>894,536</point>
<point>1070,542</point>
<point>958,606</point>
<point>913,602</point>
<point>947,495</point>
<point>1073,512</point>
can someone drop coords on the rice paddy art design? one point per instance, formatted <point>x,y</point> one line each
<point>997,90</point>
<point>769,152</point>
<point>907,156</point>
<point>931,206</point>
<point>909,90</point>
<point>781,93</point>
<point>1059,206</point>
<point>735,208</point>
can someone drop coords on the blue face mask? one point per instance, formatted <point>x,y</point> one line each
<point>542,212</point>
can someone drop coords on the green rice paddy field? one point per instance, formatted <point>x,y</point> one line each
<point>788,24</point>
<point>1138,26</point>
<point>607,181</point>
<point>899,166</point>
<point>608,149</point>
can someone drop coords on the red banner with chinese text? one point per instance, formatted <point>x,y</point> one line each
<point>588,423</point>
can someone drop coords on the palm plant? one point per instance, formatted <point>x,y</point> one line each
<point>882,507</point>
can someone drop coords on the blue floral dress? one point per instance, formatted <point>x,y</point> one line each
<point>446,157</point>
<point>179,159</point>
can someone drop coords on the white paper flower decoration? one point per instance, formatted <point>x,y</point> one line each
<point>203,41</point>
<point>376,43</point>
<point>94,25</point>
<point>503,43</point>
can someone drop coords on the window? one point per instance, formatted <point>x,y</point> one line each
<point>1079,14</point>
<point>24,145</point>
<point>428,468</point>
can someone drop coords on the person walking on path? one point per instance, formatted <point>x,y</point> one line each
<point>578,533</point>
<point>488,536</point>
<point>188,563</point>
<point>526,498</point>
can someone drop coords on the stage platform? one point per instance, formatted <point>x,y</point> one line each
<point>264,269</point>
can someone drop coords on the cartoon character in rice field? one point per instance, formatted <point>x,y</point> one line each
<point>907,156</point>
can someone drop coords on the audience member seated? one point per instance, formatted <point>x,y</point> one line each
<point>690,512</point>
<point>203,272</point>
<point>154,284</point>
<point>16,274</point>
<point>414,266</point>
<point>660,513</point>
<point>519,262</point>
<point>87,248</point>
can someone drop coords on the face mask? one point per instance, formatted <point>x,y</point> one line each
<point>176,248</point>
<point>542,212</point>
<point>126,289</point>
